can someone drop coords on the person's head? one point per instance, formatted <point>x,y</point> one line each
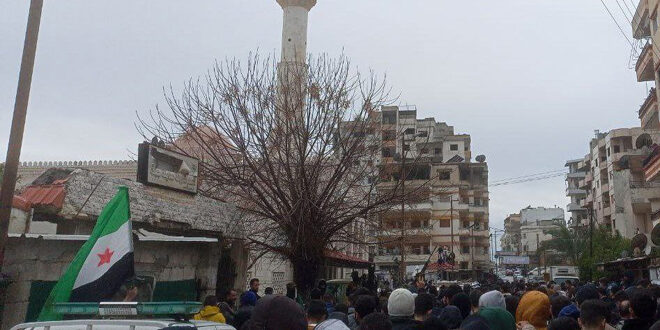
<point>211,301</point>
<point>564,323</point>
<point>376,321</point>
<point>248,298</point>
<point>497,318</point>
<point>586,292</point>
<point>364,305</point>
<point>401,303</point>
<point>603,282</point>
<point>328,298</point>
<point>534,307</point>
<point>450,292</point>
<point>628,277</point>
<point>254,284</point>
<point>277,312</point>
<point>341,307</point>
<point>423,306</point>
<point>268,290</point>
<point>433,323</point>
<point>231,296</point>
<point>492,299</point>
<point>291,290</point>
<point>642,304</point>
<point>475,294</point>
<point>593,314</point>
<point>357,293</point>
<point>558,302</point>
<point>462,301</point>
<point>322,285</point>
<point>451,317</point>
<point>315,294</point>
<point>511,304</point>
<point>644,283</point>
<point>316,312</point>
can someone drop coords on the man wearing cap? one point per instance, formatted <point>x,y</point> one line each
<point>401,308</point>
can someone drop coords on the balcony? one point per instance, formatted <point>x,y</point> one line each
<point>607,211</point>
<point>640,23</point>
<point>652,165</point>
<point>395,232</point>
<point>575,192</point>
<point>644,66</point>
<point>605,188</point>
<point>648,112</point>
<point>410,258</point>
<point>576,175</point>
<point>574,207</point>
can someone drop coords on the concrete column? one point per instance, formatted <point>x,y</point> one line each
<point>294,30</point>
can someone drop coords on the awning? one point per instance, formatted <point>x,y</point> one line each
<point>338,259</point>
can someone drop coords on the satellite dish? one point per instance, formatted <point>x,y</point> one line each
<point>655,234</point>
<point>481,158</point>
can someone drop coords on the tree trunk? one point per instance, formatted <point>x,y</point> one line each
<point>305,273</point>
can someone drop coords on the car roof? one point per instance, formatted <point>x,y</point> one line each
<point>120,324</point>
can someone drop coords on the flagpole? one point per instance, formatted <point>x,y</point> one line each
<point>18,121</point>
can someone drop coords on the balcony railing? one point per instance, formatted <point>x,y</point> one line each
<point>644,66</point>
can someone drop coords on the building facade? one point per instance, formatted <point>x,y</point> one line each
<point>611,186</point>
<point>645,28</point>
<point>450,210</point>
<point>535,222</point>
<point>511,240</point>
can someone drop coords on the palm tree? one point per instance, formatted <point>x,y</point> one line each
<point>565,241</point>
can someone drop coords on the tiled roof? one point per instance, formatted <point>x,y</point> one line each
<point>50,195</point>
<point>345,259</point>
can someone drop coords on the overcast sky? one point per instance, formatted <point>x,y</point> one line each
<point>529,80</point>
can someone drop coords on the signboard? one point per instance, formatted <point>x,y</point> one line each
<point>161,167</point>
<point>514,260</point>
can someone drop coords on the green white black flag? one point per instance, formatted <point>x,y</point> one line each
<point>102,264</point>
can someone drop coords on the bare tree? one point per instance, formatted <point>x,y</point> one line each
<point>296,147</point>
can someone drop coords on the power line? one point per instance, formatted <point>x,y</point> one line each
<point>562,171</point>
<point>617,23</point>
<point>527,180</point>
<point>623,11</point>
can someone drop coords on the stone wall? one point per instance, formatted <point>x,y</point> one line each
<point>32,259</point>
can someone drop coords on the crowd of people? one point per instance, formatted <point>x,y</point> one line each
<point>625,304</point>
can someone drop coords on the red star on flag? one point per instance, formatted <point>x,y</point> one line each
<point>105,257</point>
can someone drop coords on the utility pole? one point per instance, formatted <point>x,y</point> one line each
<point>18,121</point>
<point>591,241</point>
<point>402,265</point>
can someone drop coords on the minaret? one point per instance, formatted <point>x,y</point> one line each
<point>294,31</point>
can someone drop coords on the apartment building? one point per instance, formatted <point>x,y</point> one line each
<point>578,176</point>
<point>535,222</point>
<point>645,29</point>
<point>511,240</point>
<point>611,185</point>
<point>451,205</point>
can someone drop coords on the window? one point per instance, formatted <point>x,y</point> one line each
<point>453,147</point>
<point>423,133</point>
<point>424,151</point>
<point>437,151</point>
<point>444,223</point>
<point>387,152</point>
<point>464,265</point>
<point>409,131</point>
<point>444,175</point>
<point>465,249</point>
<point>278,283</point>
<point>524,235</point>
<point>617,149</point>
<point>389,135</point>
<point>406,147</point>
<point>608,152</point>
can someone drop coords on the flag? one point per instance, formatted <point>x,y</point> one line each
<point>102,264</point>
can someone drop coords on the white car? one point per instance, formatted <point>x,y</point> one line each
<point>122,325</point>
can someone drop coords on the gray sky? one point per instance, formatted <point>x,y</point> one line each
<point>529,80</point>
